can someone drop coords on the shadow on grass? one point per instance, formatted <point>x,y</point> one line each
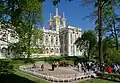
<point>112,80</point>
<point>12,78</point>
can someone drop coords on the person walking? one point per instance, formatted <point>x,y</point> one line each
<point>53,65</point>
<point>115,68</point>
<point>42,67</point>
<point>79,66</point>
<point>109,69</point>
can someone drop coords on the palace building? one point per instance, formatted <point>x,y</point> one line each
<point>58,40</point>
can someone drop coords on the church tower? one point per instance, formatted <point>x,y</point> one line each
<point>64,20</point>
<point>57,20</point>
<point>50,21</point>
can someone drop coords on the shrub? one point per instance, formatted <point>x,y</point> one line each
<point>29,60</point>
<point>6,67</point>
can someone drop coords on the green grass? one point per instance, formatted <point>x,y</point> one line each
<point>20,77</point>
<point>30,77</point>
<point>97,81</point>
<point>18,63</point>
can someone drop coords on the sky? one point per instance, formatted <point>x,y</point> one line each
<point>74,13</point>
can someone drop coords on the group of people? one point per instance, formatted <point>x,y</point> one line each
<point>89,66</point>
<point>53,67</point>
<point>109,69</point>
<point>35,66</point>
<point>93,66</point>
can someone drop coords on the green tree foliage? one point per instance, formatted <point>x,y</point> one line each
<point>37,41</point>
<point>31,15</point>
<point>113,56</point>
<point>24,15</point>
<point>104,9</point>
<point>86,42</point>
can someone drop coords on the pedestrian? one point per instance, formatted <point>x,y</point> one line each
<point>53,66</point>
<point>79,66</point>
<point>115,68</point>
<point>118,67</point>
<point>42,67</point>
<point>109,69</point>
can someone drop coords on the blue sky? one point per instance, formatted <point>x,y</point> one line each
<point>74,13</point>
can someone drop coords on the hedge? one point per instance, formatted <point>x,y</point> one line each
<point>6,67</point>
<point>111,76</point>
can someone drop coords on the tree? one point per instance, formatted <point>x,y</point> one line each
<point>99,26</point>
<point>113,56</point>
<point>112,28</point>
<point>101,6</point>
<point>87,42</point>
<point>37,41</point>
<point>32,15</point>
<point>24,14</point>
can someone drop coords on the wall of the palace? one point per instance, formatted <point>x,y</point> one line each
<point>51,42</point>
<point>72,37</point>
<point>68,36</point>
<point>62,42</point>
<point>54,43</point>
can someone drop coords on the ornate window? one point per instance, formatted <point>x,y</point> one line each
<point>56,40</point>
<point>51,50</point>
<point>57,50</point>
<point>52,40</point>
<point>47,50</point>
<point>46,39</point>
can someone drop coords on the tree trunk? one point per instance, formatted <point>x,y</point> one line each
<point>100,30</point>
<point>29,37</point>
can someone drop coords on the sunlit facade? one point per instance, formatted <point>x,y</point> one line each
<point>59,39</point>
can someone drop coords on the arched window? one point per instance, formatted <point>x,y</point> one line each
<point>52,41</point>
<point>56,40</point>
<point>51,50</point>
<point>46,39</point>
<point>57,50</point>
<point>47,50</point>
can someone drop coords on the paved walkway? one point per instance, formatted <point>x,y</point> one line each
<point>58,70</point>
<point>60,73</point>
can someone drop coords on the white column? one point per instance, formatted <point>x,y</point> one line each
<point>74,50</point>
<point>63,44</point>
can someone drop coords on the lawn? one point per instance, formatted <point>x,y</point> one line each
<point>97,81</point>
<point>18,76</point>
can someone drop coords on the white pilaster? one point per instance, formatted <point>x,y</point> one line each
<point>69,43</point>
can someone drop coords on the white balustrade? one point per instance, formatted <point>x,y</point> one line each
<point>63,78</point>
